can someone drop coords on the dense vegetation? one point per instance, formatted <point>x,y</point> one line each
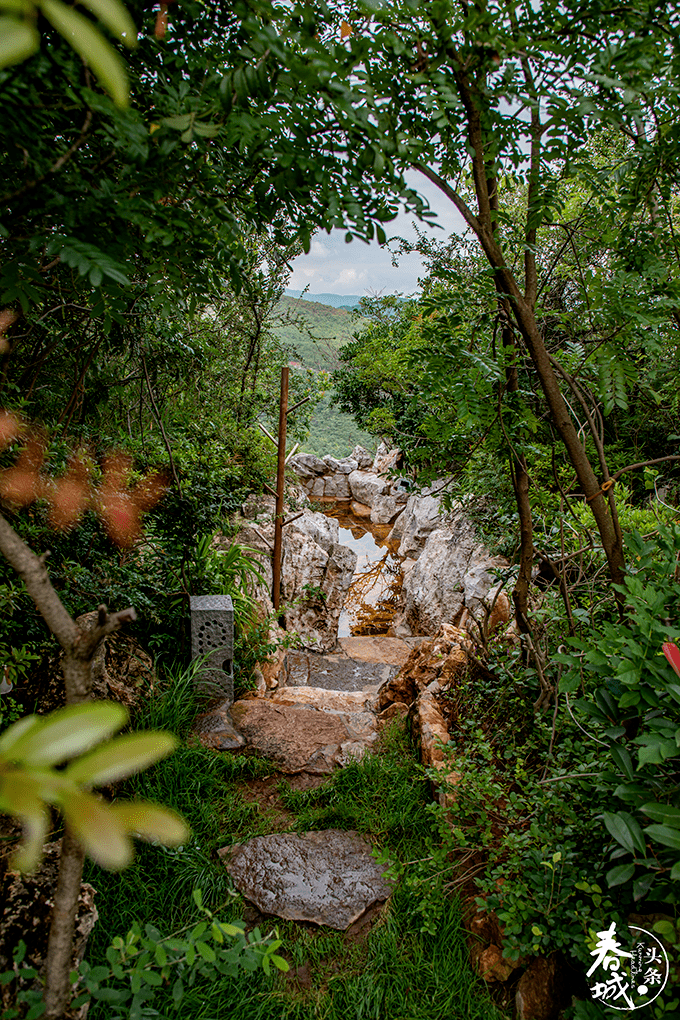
<point>150,212</point>
<point>313,333</point>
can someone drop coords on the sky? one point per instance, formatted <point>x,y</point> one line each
<point>334,267</point>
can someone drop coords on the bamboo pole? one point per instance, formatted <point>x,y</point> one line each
<point>280,472</point>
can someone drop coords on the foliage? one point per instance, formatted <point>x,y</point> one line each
<point>143,961</point>
<point>21,39</point>
<point>631,699</point>
<point>31,748</point>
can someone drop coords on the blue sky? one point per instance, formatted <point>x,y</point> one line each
<point>334,267</point>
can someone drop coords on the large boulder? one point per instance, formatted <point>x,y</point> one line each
<point>313,559</point>
<point>386,459</point>
<point>453,572</point>
<point>366,487</point>
<point>308,729</point>
<point>336,487</point>
<point>420,518</point>
<point>343,467</point>
<point>386,508</point>
<point>363,458</point>
<point>306,465</point>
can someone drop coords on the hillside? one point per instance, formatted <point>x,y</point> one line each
<point>326,329</point>
<point>315,345</point>
<point>336,300</point>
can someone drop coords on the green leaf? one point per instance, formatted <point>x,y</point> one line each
<point>623,760</point>
<point>198,898</point>
<point>619,875</point>
<point>18,41</point>
<point>625,831</point>
<point>116,17</point>
<point>206,951</point>
<point>181,122</point>
<point>151,822</point>
<point>97,829</point>
<point>91,46</point>
<point>279,962</point>
<point>122,757</point>
<point>664,834</point>
<point>663,813</point>
<point>152,977</point>
<point>666,929</point>
<point>67,732</point>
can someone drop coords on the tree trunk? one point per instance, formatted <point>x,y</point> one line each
<point>79,647</point>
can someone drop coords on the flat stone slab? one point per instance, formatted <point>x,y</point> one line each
<point>327,877</point>
<point>308,729</point>
<point>336,671</point>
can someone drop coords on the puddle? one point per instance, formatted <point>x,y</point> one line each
<point>375,592</point>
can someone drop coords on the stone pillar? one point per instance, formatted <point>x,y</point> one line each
<point>212,631</point>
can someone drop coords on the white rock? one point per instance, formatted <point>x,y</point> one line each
<point>306,465</point>
<point>343,467</point>
<point>336,487</point>
<point>363,458</point>
<point>420,518</point>
<point>386,508</point>
<point>453,571</point>
<point>366,486</point>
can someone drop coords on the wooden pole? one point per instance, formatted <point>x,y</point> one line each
<point>280,471</point>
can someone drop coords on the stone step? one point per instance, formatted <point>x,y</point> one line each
<point>335,671</point>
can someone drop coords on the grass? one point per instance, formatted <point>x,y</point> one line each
<point>395,972</point>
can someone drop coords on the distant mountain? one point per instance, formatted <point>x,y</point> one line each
<point>330,328</point>
<point>334,300</point>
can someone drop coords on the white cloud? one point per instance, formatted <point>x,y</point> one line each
<point>318,250</point>
<point>357,268</point>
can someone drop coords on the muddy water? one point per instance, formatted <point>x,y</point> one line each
<point>374,595</point>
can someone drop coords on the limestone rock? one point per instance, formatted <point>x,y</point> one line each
<point>215,729</point>
<point>493,966</point>
<point>453,570</point>
<point>306,465</point>
<point>397,710</point>
<point>363,458</point>
<point>306,562</point>
<point>429,729</point>
<point>376,648</point>
<point>360,509</point>
<point>308,729</point>
<point>327,877</point>
<point>343,467</point>
<point>386,508</point>
<point>311,557</point>
<point>386,458</point>
<point>366,486</point>
<point>420,518</point>
<point>336,487</point>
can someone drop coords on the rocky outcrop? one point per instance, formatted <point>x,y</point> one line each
<point>316,572</point>
<point>453,573</point>
<point>314,562</point>
<point>359,478</point>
